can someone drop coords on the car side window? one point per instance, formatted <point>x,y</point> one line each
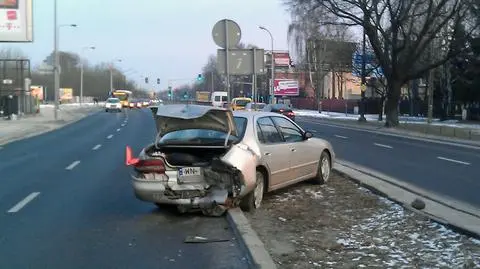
<point>267,132</point>
<point>290,132</point>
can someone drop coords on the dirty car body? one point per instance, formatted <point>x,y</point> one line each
<point>198,161</point>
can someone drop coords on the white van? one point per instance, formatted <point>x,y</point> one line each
<point>219,99</point>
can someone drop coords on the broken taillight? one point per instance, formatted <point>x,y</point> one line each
<point>144,166</point>
<point>150,166</point>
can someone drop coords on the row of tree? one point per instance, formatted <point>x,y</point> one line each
<point>96,78</point>
<point>409,38</point>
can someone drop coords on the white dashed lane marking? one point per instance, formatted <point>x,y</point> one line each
<point>452,160</point>
<point>109,136</point>
<point>383,146</point>
<point>341,136</point>
<point>118,130</point>
<point>23,203</point>
<point>96,147</point>
<point>72,165</point>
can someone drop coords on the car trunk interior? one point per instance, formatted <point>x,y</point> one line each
<point>187,156</point>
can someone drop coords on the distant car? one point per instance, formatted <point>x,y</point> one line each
<point>113,104</point>
<point>139,104</point>
<point>208,158</point>
<point>131,105</point>
<point>283,109</point>
<point>255,106</point>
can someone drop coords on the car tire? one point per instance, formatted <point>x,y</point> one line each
<point>106,110</point>
<point>324,168</point>
<point>253,199</point>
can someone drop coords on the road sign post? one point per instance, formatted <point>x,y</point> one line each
<point>226,34</point>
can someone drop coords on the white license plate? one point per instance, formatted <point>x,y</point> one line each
<point>190,174</point>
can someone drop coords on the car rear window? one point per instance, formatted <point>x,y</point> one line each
<point>113,101</point>
<point>283,107</point>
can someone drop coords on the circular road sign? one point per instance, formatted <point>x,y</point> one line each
<point>229,27</point>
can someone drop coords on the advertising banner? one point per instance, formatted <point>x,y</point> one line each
<point>37,91</point>
<point>281,59</point>
<point>16,22</point>
<point>286,87</point>
<point>66,94</point>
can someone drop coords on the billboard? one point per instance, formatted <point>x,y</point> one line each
<point>16,21</point>
<point>281,58</point>
<point>286,87</point>
<point>66,93</point>
<point>37,91</point>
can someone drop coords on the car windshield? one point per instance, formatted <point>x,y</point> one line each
<point>242,102</point>
<point>204,136</point>
<point>113,100</point>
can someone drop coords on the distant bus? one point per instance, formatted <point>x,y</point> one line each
<point>123,95</point>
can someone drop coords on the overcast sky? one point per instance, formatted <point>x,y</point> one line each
<point>168,39</point>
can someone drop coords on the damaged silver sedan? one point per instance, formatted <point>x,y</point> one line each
<point>206,158</point>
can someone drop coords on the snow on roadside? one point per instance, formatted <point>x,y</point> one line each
<point>342,225</point>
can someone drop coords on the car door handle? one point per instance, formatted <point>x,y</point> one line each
<point>293,149</point>
<point>268,153</point>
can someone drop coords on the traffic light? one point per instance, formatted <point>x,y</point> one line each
<point>146,80</point>
<point>169,91</point>
<point>158,81</point>
<point>185,95</point>
<point>199,77</point>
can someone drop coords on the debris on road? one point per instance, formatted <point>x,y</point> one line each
<point>201,239</point>
<point>342,225</point>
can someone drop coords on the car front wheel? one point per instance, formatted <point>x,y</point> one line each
<point>253,199</point>
<point>324,168</point>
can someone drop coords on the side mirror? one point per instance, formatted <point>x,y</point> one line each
<point>307,135</point>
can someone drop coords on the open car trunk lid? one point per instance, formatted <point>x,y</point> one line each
<point>170,118</point>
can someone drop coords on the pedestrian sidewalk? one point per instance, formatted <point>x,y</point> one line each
<point>412,126</point>
<point>32,125</point>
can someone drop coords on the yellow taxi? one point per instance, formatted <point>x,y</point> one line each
<point>239,103</point>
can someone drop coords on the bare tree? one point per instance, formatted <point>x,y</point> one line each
<point>304,31</point>
<point>400,33</point>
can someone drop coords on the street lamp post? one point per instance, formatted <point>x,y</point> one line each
<point>56,67</point>
<point>111,73</point>
<point>81,72</point>
<point>272,84</point>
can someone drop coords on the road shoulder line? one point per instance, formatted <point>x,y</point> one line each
<point>251,244</point>
<point>458,215</point>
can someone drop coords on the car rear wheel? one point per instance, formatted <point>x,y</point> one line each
<point>324,168</point>
<point>253,200</point>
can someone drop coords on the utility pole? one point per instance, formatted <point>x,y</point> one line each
<point>212,82</point>
<point>364,78</point>
<point>430,86</point>
<point>56,64</point>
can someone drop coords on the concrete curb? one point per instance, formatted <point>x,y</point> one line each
<point>460,216</point>
<point>257,255</point>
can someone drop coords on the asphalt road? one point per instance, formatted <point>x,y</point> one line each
<point>66,202</point>
<point>445,169</point>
